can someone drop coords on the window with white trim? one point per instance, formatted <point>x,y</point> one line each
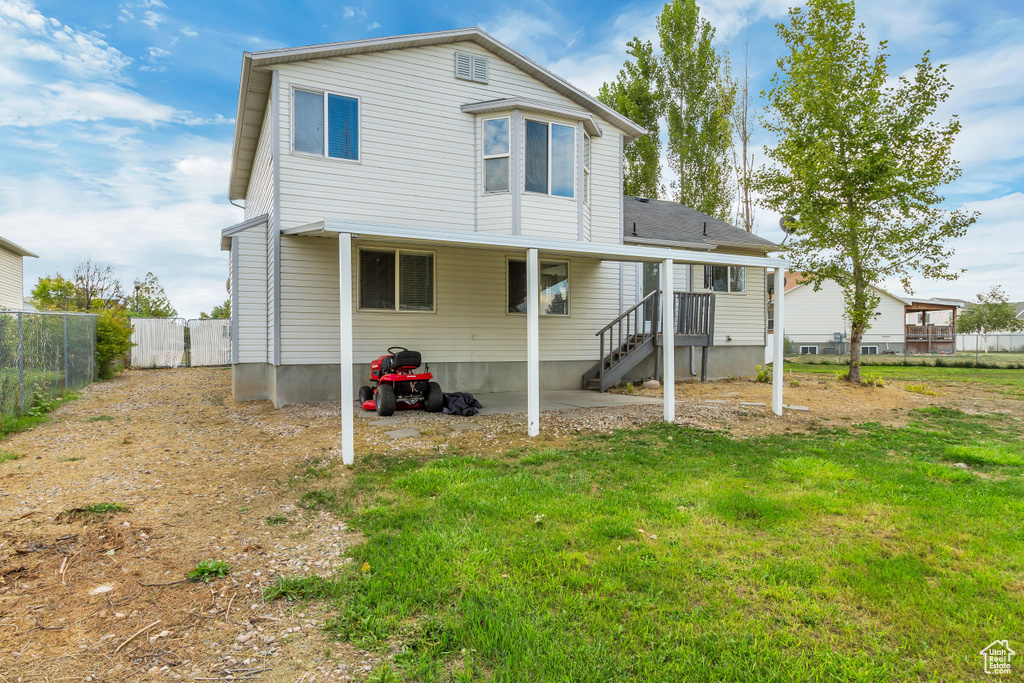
<point>496,154</point>
<point>325,124</point>
<point>586,168</point>
<point>869,350</point>
<point>550,166</point>
<point>554,287</point>
<point>812,350</point>
<point>396,280</point>
<point>725,279</point>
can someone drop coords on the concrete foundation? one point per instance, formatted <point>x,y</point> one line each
<point>286,384</point>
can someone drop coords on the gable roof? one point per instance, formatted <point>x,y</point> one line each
<point>15,249</point>
<point>657,220</point>
<point>254,86</point>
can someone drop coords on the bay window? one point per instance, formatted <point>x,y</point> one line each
<point>550,158</point>
<point>496,154</point>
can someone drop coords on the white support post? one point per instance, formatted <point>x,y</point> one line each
<point>668,339</point>
<point>347,397</point>
<point>532,343</point>
<point>780,339</point>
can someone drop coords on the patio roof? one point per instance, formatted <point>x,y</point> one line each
<point>333,228</point>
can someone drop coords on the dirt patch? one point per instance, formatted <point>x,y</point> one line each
<point>90,591</point>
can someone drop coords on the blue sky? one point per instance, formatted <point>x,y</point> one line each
<point>116,118</point>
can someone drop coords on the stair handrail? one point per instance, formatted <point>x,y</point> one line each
<point>650,297</point>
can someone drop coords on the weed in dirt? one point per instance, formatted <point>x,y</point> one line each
<point>921,389</point>
<point>277,520</point>
<point>209,569</point>
<point>72,459</point>
<point>304,588</point>
<point>6,456</point>
<point>318,499</point>
<point>100,418</point>
<point>102,508</point>
<point>313,472</point>
<point>217,401</point>
<point>38,413</point>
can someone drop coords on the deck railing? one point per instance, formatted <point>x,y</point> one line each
<point>930,332</point>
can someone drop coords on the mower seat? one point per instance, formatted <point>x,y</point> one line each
<point>406,360</point>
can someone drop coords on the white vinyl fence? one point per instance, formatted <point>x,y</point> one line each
<point>172,342</point>
<point>990,343</point>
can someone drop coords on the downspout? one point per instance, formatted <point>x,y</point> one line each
<point>693,349</point>
<point>240,206</point>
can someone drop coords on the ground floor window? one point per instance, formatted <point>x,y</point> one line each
<point>725,278</point>
<point>396,280</point>
<point>812,350</point>
<point>554,287</point>
<point>869,350</point>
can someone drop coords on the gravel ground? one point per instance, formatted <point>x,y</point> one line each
<point>100,597</point>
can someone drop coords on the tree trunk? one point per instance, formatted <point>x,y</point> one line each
<point>856,329</point>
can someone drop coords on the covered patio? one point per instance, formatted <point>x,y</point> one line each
<point>532,248</point>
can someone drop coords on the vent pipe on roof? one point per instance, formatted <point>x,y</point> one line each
<point>705,228</point>
<point>634,229</point>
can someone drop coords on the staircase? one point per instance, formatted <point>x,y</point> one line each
<point>636,334</point>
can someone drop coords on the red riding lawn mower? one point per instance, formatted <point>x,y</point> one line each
<point>399,386</point>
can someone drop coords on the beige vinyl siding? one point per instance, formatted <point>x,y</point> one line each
<point>259,200</point>
<point>815,316</point>
<point>419,153</point>
<point>470,322</point>
<point>740,316</point>
<point>252,295</point>
<point>11,281</point>
<point>606,195</point>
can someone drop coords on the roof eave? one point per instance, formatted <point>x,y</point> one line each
<point>243,88</point>
<point>16,249</point>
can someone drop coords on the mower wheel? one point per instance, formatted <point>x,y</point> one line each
<point>435,398</point>
<point>386,402</point>
<point>365,394</point>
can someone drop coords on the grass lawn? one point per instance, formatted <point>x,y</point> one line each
<point>671,554</point>
<point>1006,381</point>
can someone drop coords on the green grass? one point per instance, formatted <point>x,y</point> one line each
<point>670,554</point>
<point>100,418</point>
<point>7,456</point>
<point>37,414</point>
<point>1007,381</point>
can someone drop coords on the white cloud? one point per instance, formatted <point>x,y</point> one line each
<point>191,33</point>
<point>350,12</point>
<point>373,26</point>
<point>68,101</point>
<point>153,19</point>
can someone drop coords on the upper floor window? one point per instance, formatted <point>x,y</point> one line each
<point>550,153</point>
<point>725,278</point>
<point>326,124</point>
<point>496,154</point>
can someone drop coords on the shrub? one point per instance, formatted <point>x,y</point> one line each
<point>870,380</point>
<point>113,339</point>
<point>763,375</point>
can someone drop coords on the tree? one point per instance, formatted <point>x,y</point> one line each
<point>742,158</point>
<point>637,93</point>
<point>698,101</point>
<point>150,300</point>
<point>222,311</point>
<point>859,160</point>
<point>55,293</point>
<point>96,286</point>
<point>992,312</point>
<point>113,339</point>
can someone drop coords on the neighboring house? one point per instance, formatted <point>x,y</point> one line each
<point>817,323</point>
<point>423,191</point>
<point>12,277</point>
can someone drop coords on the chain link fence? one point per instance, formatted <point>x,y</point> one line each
<point>43,355</point>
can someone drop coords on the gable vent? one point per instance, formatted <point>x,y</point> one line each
<point>470,67</point>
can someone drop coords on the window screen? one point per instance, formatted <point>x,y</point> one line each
<point>736,276</point>
<point>343,127</point>
<point>536,156</point>
<point>496,155</point>
<point>563,151</point>
<point>516,286</point>
<point>309,122</point>
<point>415,281</point>
<point>376,279</point>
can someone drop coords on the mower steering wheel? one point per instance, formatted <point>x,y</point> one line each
<point>395,349</point>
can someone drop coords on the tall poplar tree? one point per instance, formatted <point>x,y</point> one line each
<point>637,93</point>
<point>699,100</point>
<point>859,162</point>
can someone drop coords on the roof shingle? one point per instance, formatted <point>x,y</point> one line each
<point>657,219</point>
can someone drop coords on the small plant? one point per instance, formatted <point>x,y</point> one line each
<point>794,382</point>
<point>313,472</point>
<point>872,381</point>
<point>629,387</point>
<point>277,520</point>
<point>6,456</point>
<point>103,508</point>
<point>99,418</point>
<point>209,569</point>
<point>217,401</point>
<point>72,459</point>
<point>539,519</point>
<point>921,389</point>
<point>842,375</point>
<point>763,374</point>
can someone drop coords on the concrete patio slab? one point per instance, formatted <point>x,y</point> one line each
<point>403,433</point>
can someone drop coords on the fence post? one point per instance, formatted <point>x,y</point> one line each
<point>21,366</point>
<point>65,318</point>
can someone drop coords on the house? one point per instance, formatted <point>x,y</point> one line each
<point>818,323</point>
<point>442,192</point>
<point>12,275</point>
